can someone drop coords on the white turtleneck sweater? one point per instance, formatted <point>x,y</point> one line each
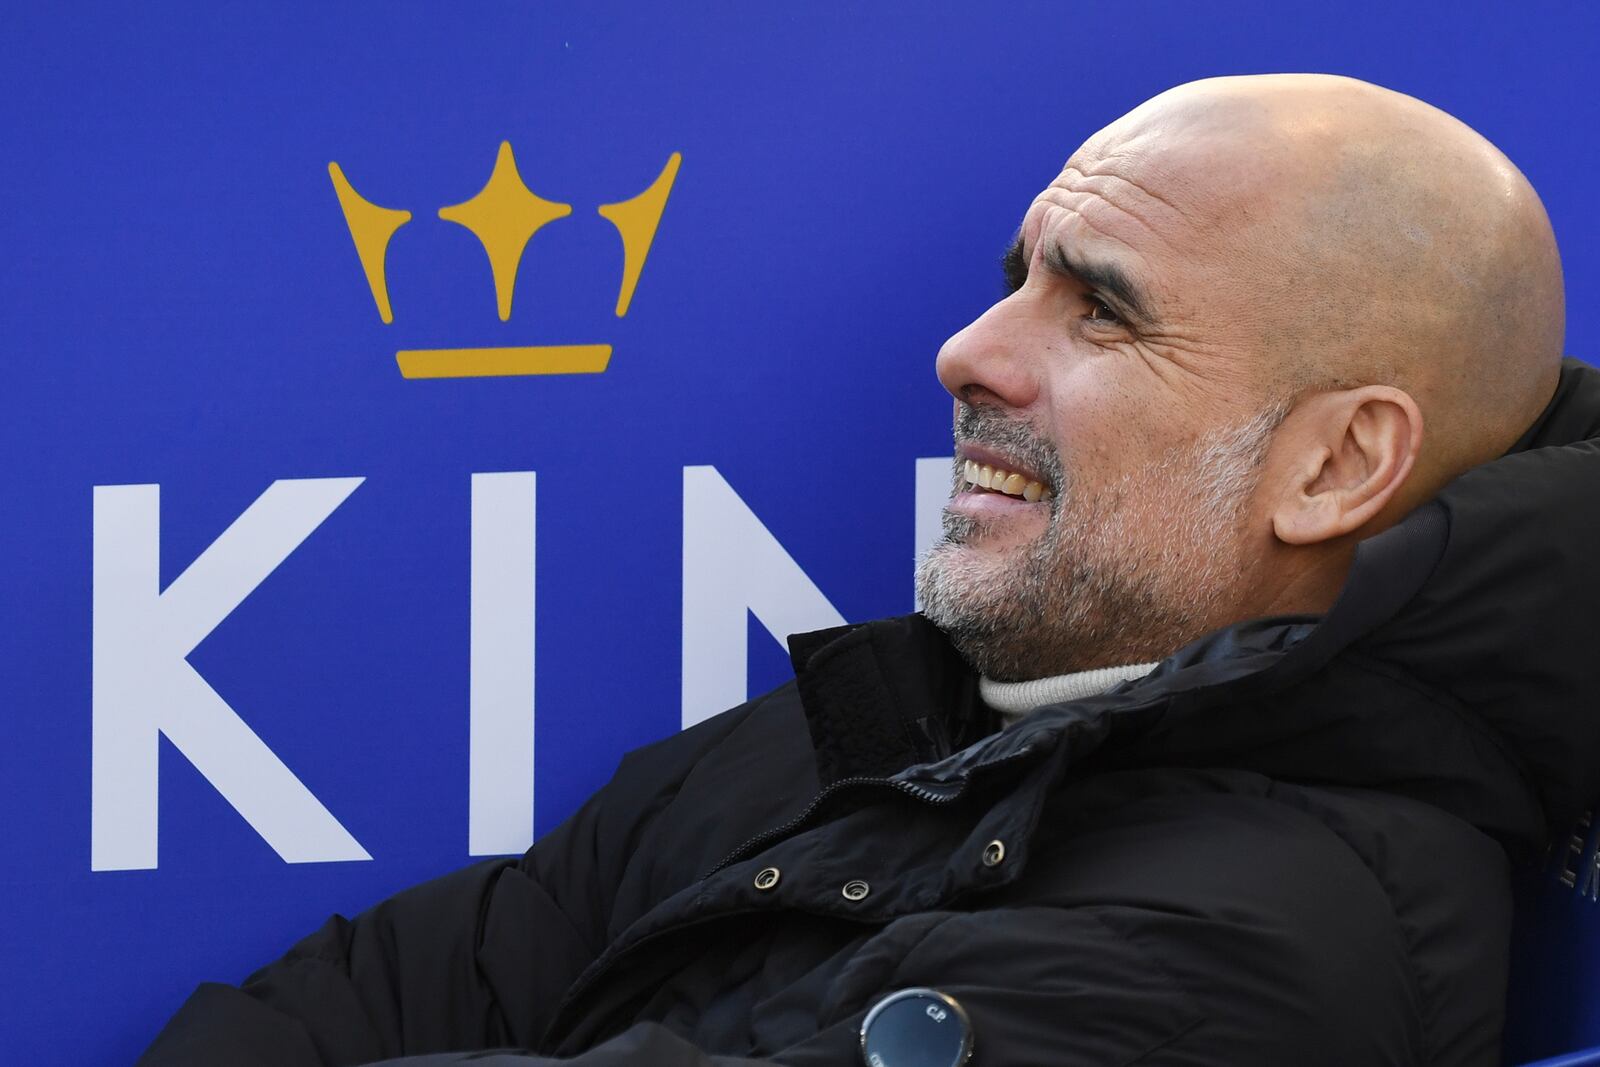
<point>1013,700</point>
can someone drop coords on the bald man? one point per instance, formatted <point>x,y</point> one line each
<point>1255,654</point>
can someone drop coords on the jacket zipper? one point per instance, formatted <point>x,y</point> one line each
<point>922,793</point>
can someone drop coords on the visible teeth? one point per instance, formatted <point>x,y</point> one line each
<point>1000,480</point>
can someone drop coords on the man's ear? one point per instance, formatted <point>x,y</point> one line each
<point>1353,450</point>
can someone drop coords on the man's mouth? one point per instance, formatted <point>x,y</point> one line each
<point>981,476</point>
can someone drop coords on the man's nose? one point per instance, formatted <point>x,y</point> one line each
<point>992,359</point>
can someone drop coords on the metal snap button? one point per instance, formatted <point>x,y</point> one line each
<point>993,853</point>
<point>767,877</point>
<point>856,890</point>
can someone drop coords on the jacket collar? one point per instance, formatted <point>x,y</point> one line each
<point>885,695</point>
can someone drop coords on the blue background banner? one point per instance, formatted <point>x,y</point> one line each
<point>462,598</point>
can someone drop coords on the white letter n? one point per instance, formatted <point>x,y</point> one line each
<point>144,687</point>
<point>732,568</point>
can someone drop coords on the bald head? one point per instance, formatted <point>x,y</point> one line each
<point>1388,242</point>
<point>1252,322</point>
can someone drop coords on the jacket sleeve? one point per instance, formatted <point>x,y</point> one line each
<point>475,959</point>
<point>431,968</point>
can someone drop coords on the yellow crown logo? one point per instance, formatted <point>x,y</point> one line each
<point>504,216</point>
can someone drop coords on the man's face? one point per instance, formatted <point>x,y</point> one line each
<point>1120,383</point>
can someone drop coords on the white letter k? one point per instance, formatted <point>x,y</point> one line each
<point>144,687</point>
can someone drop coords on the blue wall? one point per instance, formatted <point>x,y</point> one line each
<point>183,306</point>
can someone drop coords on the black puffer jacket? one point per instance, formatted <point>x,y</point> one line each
<point>1287,845</point>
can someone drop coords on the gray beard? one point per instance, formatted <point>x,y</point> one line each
<point>1125,574</point>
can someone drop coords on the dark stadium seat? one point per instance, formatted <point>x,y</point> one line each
<point>1554,994</point>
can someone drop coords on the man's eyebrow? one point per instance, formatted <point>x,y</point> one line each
<point>1015,265</point>
<point>1104,277</point>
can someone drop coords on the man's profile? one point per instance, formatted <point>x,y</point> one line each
<point>1254,647</point>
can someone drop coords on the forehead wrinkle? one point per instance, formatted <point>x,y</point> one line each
<point>1094,181</point>
<point>1085,204</point>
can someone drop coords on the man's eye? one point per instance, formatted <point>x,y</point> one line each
<point>1100,311</point>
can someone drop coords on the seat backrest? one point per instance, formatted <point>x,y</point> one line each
<point>1554,995</point>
